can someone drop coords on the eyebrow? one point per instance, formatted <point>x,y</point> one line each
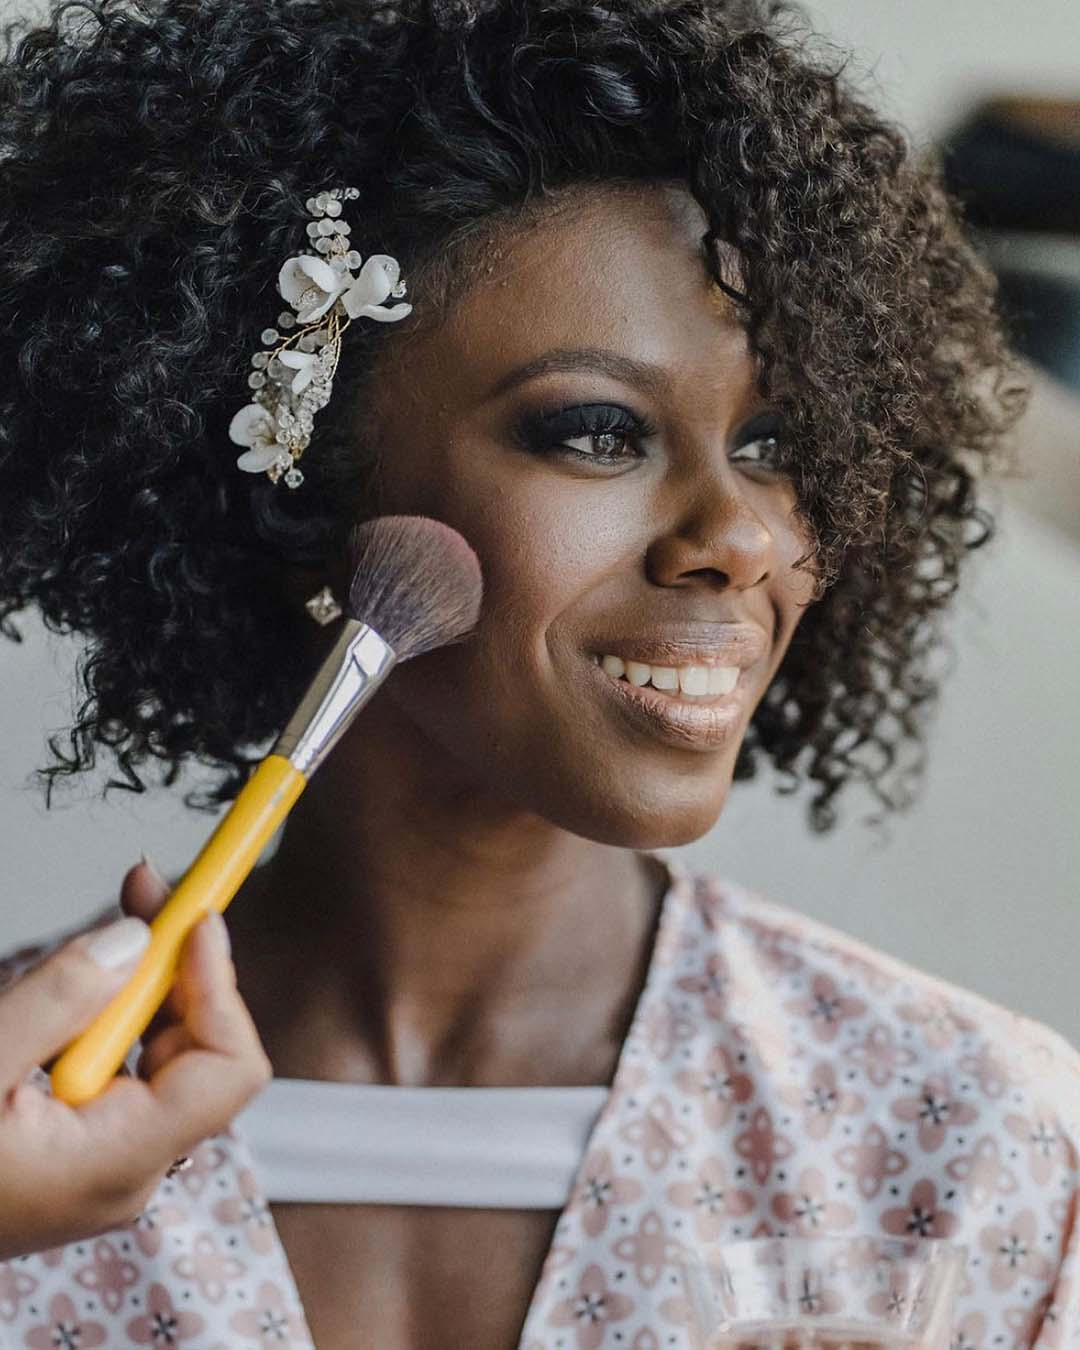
<point>599,359</point>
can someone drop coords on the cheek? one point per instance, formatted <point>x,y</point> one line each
<point>546,557</point>
<point>512,710</point>
<point>545,542</point>
<point>791,592</point>
<point>795,589</point>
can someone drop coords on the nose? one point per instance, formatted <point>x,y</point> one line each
<point>720,537</point>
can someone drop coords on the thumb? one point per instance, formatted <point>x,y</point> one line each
<point>48,1007</point>
<point>143,890</point>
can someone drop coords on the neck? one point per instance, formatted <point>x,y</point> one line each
<point>413,928</point>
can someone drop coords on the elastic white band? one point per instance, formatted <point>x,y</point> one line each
<point>499,1148</point>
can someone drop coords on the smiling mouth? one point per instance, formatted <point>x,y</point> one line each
<point>681,721</point>
<point>701,686</point>
<point>699,723</point>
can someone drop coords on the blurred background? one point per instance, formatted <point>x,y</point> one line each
<point>977,883</point>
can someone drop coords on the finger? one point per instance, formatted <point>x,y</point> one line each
<point>143,891</point>
<point>48,1007</point>
<point>169,1014</point>
<point>158,1050</point>
<point>201,1090</point>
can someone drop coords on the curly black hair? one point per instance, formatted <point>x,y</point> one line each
<point>155,159</point>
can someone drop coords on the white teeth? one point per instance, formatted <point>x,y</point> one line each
<point>693,681</point>
<point>723,679</point>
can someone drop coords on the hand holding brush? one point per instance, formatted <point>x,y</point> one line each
<point>416,586</point>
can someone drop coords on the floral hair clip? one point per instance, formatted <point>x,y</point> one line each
<point>292,380</point>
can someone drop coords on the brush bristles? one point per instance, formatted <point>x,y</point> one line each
<point>415,581</point>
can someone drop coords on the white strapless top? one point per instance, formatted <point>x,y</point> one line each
<point>351,1143</point>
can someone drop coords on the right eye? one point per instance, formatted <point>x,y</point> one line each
<point>607,426</point>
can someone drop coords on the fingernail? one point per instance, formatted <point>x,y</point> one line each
<point>119,944</point>
<point>155,872</point>
<point>223,930</point>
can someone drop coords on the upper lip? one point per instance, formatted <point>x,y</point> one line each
<point>720,644</point>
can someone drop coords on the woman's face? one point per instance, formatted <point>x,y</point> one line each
<point>587,419</point>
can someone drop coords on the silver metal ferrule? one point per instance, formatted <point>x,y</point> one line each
<point>358,664</point>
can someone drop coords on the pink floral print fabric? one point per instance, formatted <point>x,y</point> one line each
<point>779,1078</point>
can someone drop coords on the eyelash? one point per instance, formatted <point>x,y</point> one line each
<point>548,432</point>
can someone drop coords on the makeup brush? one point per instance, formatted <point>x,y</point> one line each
<point>416,586</point>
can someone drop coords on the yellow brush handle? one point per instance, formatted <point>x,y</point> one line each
<point>88,1064</point>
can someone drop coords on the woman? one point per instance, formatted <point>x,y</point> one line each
<point>699,364</point>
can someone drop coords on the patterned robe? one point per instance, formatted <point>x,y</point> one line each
<point>779,1078</point>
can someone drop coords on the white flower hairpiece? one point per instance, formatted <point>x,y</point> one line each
<point>293,379</point>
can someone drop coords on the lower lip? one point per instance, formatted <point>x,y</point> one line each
<point>703,724</point>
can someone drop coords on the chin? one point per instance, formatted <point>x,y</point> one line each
<point>647,821</point>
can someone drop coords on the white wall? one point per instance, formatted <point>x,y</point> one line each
<point>928,61</point>
<point>978,884</point>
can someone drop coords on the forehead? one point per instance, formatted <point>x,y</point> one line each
<point>617,268</point>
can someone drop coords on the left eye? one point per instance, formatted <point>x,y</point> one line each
<point>766,439</point>
<point>768,446</point>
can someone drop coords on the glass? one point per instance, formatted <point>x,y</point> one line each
<point>861,1293</point>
